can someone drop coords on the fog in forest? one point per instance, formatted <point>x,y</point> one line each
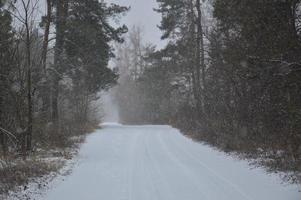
<point>110,108</point>
<point>217,76</point>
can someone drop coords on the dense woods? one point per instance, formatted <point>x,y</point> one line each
<point>230,75</point>
<point>52,68</point>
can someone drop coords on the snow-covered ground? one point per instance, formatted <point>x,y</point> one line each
<point>158,163</point>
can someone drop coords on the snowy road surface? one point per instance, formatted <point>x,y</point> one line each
<point>158,163</point>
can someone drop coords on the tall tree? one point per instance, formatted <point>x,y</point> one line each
<point>60,21</point>
<point>46,24</point>
<point>6,63</point>
<point>88,35</point>
<point>82,49</point>
<point>182,23</point>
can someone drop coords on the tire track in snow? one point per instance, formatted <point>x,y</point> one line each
<point>147,171</point>
<point>131,166</point>
<point>162,183</point>
<point>185,168</point>
<point>158,163</point>
<point>214,174</point>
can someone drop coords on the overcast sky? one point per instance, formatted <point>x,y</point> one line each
<point>142,14</point>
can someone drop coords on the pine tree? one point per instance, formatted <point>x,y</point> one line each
<point>88,35</point>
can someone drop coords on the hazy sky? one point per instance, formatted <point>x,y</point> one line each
<point>142,14</point>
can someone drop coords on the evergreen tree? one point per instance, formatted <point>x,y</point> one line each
<point>88,35</point>
<point>82,51</point>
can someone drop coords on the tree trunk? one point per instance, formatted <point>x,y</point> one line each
<point>200,57</point>
<point>46,35</point>
<point>61,14</point>
<point>28,133</point>
<point>45,95</point>
<point>193,56</point>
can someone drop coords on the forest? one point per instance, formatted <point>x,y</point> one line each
<point>230,76</point>
<point>52,67</point>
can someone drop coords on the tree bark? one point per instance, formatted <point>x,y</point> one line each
<point>46,34</point>
<point>45,95</point>
<point>61,14</point>
<point>193,60</point>
<point>28,133</point>
<point>200,57</point>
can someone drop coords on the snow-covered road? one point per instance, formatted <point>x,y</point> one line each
<point>158,163</point>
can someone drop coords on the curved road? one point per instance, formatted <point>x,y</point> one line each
<point>158,163</point>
